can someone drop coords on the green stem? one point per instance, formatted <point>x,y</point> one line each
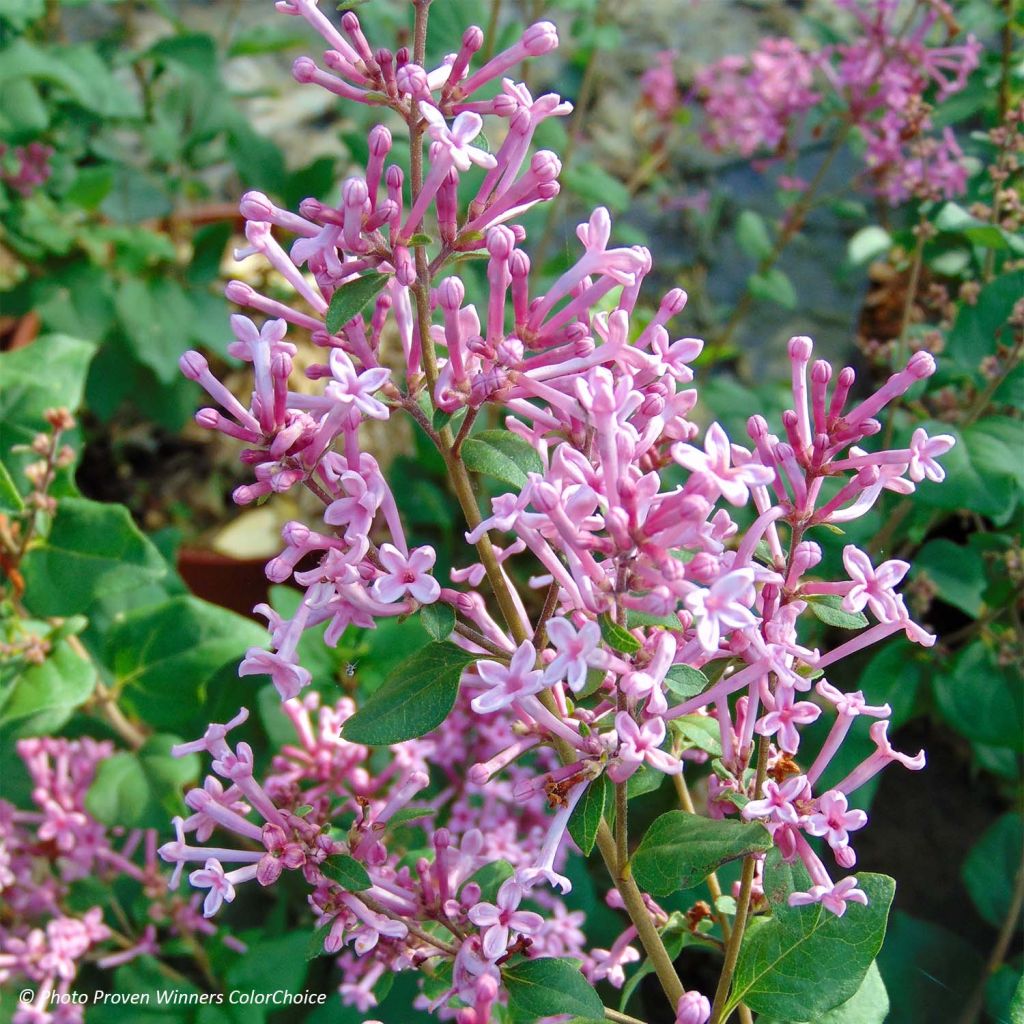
<point>794,221</point>
<point>721,1009</point>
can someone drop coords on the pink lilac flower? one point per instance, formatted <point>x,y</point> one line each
<point>501,920</point>
<point>508,683</point>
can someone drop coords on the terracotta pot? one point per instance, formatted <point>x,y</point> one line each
<point>233,583</point>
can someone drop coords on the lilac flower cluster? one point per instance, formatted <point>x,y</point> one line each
<point>628,521</point>
<point>43,853</point>
<point>25,168</point>
<point>757,104</point>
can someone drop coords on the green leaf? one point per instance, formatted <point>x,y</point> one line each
<point>980,699</point>
<point>868,244</point>
<point>351,298</point>
<point>680,850</point>
<point>316,940</point>
<point>415,698</point>
<point>1017,1004</point>
<point>595,185</point>
<point>868,1005</point>
<point>956,219</point>
<point>92,550</point>
<point>976,332</point>
<point>645,780</point>
<point>143,788</point>
<point>828,608</point>
<point>347,872</point>
<point>10,499</point>
<point>929,971</point>
<point>752,235</point>
<point>684,681</point>
<point>502,455</point>
<point>805,961</point>
<point>42,697</point>
<point>956,571</point>
<point>991,867</point>
<point>587,815</point>
<point>438,620</point>
<point>548,986</point>
<point>162,657</point>
<point>156,316</point>
<point>699,731</point>
<point>26,393</point>
<point>617,637</point>
<point>773,286</point>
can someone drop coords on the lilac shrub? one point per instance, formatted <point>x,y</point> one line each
<point>875,83</point>
<point>668,571</point>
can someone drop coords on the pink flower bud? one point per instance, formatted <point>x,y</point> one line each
<point>692,1008</point>
<point>193,365</point>
<point>800,348</point>
<point>540,38</point>
<point>380,141</point>
<point>256,206</point>
<point>304,70</point>
<point>501,242</point>
<point>921,365</point>
<point>545,165</point>
<point>450,293</point>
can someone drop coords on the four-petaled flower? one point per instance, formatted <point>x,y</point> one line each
<point>714,466</point>
<point>639,743</point>
<point>406,574</point>
<point>833,820</point>
<point>455,141</point>
<point>211,876</point>
<point>501,919</point>
<point>578,651</point>
<point>787,715</point>
<point>508,683</point>
<point>350,387</point>
<point>871,586</point>
<point>831,897</point>
<point>923,452</point>
<point>725,604</point>
<point>778,802</point>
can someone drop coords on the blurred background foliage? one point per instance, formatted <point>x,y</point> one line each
<point>150,119</point>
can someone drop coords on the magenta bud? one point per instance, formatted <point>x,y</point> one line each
<point>790,419</point>
<point>921,365</point>
<point>394,176</point>
<point>380,141</point>
<point>821,372</point>
<point>500,242</point>
<point>277,570</point>
<point>541,37</point>
<point>845,857</point>
<point>412,79</point>
<point>256,206</point>
<point>478,774</point>
<point>869,428</point>
<point>674,302</point>
<point>296,534</point>
<point>548,189</point>
<point>473,38</point>
<point>354,192</point>
<point>519,264</point>
<point>281,366</point>
<point>546,165</point>
<point>402,56</point>
<point>193,365</point>
<point>800,348</point>
<point>244,495</point>
<point>208,418</point>
<point>349,22</point>
<point>450,293</point>
<point>303,70</point>
<point>847,375</point>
